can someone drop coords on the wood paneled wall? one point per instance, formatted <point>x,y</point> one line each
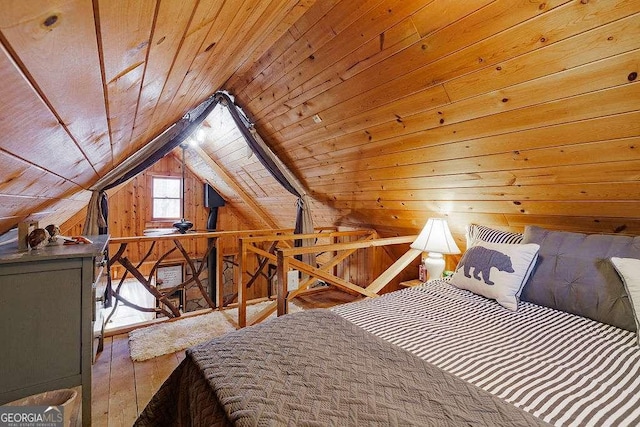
<point>365,265</point>
<point>502,112</point>
<point>130,204</point>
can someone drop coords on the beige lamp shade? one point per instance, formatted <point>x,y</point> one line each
<point>436,237</point>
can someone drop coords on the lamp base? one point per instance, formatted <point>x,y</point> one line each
<point>183,226</point>
<point>434,264</point>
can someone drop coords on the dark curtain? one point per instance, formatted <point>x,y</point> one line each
<point>243,125</point>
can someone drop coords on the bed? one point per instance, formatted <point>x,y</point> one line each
<point>438,354</point>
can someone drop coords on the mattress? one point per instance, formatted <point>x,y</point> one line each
<point>564,369</point>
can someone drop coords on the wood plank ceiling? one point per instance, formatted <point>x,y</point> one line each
<point>502,112</point>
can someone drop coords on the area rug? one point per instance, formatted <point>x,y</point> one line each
<point>169,337</point>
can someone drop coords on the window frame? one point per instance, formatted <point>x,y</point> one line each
<point>177,177</point>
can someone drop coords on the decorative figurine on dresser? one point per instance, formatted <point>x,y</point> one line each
<point>46,315</point>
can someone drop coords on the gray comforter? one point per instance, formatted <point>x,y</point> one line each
<point>315,368</point>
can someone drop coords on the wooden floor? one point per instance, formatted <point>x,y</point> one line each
<point>122,387</point>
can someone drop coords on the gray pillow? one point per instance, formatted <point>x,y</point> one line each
<point>573,274</point>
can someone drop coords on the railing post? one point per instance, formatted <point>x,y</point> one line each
<point>283,269</point>
<point>242,286</point>
<point>219,274</point>
<point>334,254</point>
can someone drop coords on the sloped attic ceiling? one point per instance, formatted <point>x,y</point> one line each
<point>504,112</point>
<point>244,181</point>
<point>85,84</point>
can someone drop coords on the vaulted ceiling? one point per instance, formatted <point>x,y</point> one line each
<point>502,112</point>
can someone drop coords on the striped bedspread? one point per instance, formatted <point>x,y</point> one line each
<point>564,369</point>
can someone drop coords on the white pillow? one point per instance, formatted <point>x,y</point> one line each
<point>496,270</point>
<point>476,234</point>
<point>629,271</point>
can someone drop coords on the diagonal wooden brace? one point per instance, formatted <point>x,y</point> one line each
<point>395,269</point>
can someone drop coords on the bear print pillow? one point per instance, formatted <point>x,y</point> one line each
<point>496,270</point>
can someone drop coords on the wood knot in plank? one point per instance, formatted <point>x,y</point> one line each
<point>632,76</point>
<point>620,228</point>
<point>50,21</point>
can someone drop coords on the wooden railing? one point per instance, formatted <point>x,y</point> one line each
<point>147,281</point>
<point>141,256</point>
<point>285,258</point>
<point>250,245</point>
<point>270,247</point>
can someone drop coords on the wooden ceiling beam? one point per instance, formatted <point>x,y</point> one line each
<point>125,34</point>
<point>196,43</point>
<point>169,32</point>
<point>262,25</point>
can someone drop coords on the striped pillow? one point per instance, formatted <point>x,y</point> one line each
<point>479,233</point>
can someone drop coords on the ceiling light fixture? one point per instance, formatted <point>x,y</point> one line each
<point>200,135</point>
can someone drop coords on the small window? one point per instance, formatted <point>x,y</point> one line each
<point>167,198</point>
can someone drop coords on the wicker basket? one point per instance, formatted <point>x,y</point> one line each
<point>67,398</point>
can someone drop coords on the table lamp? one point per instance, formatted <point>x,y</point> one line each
<point>436,239</point>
